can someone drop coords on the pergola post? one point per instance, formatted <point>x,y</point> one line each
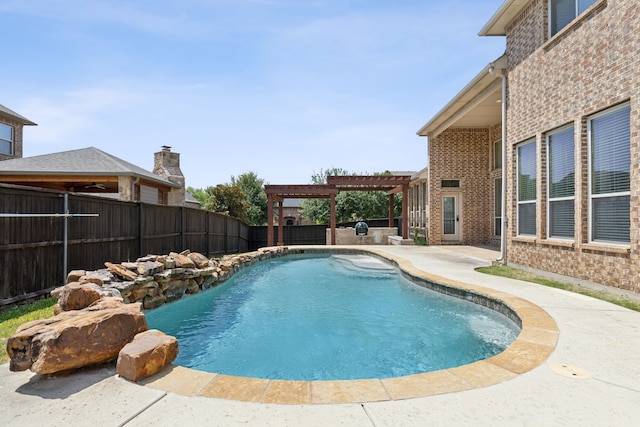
<point>280,221</point>
<point>405,211</point>
<point>269,219</point>
<point>332,208</point>
<point>392,199</point>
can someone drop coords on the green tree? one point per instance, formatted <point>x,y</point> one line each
<point>256,198</point>
<point>200,194</point>
<point>228,200</point>
<point>350,205</point>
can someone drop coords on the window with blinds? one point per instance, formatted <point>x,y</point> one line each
<point>609,171</point>
<point>561,183</point>
<point>562,12</point>
<point>497,154</point>
<point>526,188</point>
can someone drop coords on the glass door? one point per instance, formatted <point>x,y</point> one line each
<point>450,218</point>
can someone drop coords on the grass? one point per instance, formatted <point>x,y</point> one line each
<point>516,273</point>
<point>11,318</point>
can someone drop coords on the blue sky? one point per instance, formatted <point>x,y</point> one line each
<point>282,88</point>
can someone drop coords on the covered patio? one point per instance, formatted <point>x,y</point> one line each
<point>391,184</point>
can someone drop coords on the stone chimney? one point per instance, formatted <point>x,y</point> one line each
<point>167,165</point>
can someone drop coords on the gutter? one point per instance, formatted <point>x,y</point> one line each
<point>498,69</point>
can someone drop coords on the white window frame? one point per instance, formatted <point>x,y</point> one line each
<point>548,189</point>
<point>533,201</point>
<point>497,148</point>
<point>10,141</point>
<point>497,207</point>
<point>590,179</point>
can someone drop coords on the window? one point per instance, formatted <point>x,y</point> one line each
<point>450,183</point>
<point>526,188</point>
<point>609,170</point>
<point>424,204</point>
<point>497,154</point>
<point>562,12</point>
<point>6,139</point>
<point>561,183</point>
<point>497,207</point>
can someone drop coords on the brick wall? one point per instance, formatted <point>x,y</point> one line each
<point>465,155</point>
<point>589,66</point>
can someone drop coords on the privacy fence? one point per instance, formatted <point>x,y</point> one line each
<point>39,244</point>
<point>45,234</point>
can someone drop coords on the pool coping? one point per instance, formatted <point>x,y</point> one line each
<point>537,339</point>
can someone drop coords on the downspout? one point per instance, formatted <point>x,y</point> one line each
<point>503,207</point>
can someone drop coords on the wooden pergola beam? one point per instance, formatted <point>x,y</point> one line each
<point>392,184</point>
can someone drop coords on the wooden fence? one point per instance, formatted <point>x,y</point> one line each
<point>32,249</point>
<point>307,234</point>
<point>36,252</point>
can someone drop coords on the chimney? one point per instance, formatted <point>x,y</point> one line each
<point>166,164</point>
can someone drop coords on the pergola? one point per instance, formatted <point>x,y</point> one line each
<point>392,184</point>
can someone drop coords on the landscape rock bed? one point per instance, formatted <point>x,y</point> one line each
<point>99,313</point>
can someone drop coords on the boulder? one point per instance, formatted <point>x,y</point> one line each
<point>182,261</point>
<point>200,260</point>
<point>149,268</point>
<point>121,271</point>
<point>76,296</point>
<point>75,275</point>
<point>92,278</point>
<point>77,338</point>
<point>147,354</point>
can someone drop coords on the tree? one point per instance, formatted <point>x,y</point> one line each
<point>201,195</point>
<point>350,205</point>
<point>254,195</point>
<point>243,198</point>
<point>228,200</point>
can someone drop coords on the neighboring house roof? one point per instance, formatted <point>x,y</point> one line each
<point>4,111</point>
<point>477,105</point>
<point>188,198</point>
<point>503,17</point>
<point>84,161</point>
<point>421,174</point>
<point>291,203</point>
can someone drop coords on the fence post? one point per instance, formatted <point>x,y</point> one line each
<point>65,239</point>
<point>140,236</point>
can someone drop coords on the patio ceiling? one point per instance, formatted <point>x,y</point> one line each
<point>477,105</point>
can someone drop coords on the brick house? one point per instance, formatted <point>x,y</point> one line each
<point>11,124</point>
<point>567,134</point>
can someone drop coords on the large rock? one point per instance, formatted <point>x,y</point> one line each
<point>121,271</point>
<point>74,339</point>
<point>182,261</point>
<point>147,354</point>
<point>76,296</point>
<point>200,260</point>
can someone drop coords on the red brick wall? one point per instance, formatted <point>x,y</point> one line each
<point>465,155</point>
<point>591,65</point>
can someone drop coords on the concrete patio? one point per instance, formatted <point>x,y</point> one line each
<point>592,377</point>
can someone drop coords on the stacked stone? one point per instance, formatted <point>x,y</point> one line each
<point>154,280</point>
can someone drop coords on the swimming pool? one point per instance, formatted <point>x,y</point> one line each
<point>328,317</point>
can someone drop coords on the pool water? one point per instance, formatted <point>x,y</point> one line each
<point>330,317</point>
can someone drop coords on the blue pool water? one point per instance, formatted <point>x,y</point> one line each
<point>318,317</point>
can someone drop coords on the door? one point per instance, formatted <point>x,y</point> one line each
<point>450,218</point>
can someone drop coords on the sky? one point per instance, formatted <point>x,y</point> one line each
<point>281,88</point>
